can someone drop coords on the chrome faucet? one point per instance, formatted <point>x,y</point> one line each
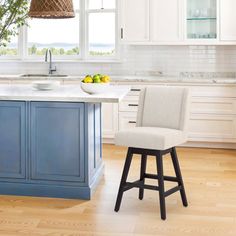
<point>51,70</point>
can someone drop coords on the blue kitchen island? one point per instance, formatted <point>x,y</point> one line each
<point>51,141</point>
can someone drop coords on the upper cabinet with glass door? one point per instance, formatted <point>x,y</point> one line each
<point>202,19</point>
<point>178,22</point>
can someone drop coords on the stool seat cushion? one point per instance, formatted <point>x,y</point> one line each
<point>150,138</point>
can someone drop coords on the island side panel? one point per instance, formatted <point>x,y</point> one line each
<point>94,144</point>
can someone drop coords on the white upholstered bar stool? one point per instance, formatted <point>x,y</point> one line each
<point>161,126</point>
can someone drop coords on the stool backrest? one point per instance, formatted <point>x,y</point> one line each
<point>165,107</point>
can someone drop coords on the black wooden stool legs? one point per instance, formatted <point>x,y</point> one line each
<point>124,185</point>
<point>142,174</point>
<point>179,176</point>
<point>159,161</point>
<point>123,179</point>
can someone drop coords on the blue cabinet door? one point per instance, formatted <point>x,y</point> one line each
<point>57,141</point>
<point>12,139</point>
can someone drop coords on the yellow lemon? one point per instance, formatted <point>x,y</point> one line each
<point>105,79</point>
<point>88,79</point>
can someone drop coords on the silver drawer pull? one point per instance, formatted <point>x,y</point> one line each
<point>133,105</point>
<point>135,90</point>
<point>132,122</point>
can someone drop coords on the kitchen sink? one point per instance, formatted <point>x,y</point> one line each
<point>42,75</point>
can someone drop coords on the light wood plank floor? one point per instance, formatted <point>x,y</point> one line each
<point>210,179</point>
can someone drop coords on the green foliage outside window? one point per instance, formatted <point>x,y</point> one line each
<point>33,50</point>
<point>13,14</point>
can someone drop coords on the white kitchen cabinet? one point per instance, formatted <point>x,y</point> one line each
<point>227,20</point>
<point>178,22</point>
<point>134,20</point>
<point>109,120</point>
<point>213,105</point>
<point>166,20</point>
<point>212,128</point>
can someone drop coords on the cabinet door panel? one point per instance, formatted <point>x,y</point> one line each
<point>12,140</point>
<point>227,20</point>
<point>216,128</point>
<point>165,20</point>
<point>212,105</point>
<point>57,141</point>
<point>135,20</point>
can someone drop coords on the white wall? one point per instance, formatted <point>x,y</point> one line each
<point>138,60</point>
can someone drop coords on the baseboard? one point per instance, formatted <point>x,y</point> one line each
<point>210,145</point>
<point>40,190</point>
<point>108,140</point>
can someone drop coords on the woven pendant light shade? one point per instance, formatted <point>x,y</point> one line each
<point>52,9</point>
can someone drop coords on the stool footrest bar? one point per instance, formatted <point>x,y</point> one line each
<point>167,178</point>
<point>172,190</point>
<point>139,184</point>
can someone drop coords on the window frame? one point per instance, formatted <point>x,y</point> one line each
<point>89,11</point>
<point>83,40</point>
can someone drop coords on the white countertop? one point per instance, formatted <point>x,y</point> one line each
<point>134,79</point>
<point>64,93</point>
<point>175,80</point>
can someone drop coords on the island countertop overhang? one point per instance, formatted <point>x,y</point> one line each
<point>63,93</point>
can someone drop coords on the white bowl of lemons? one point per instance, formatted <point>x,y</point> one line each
<point>95,84</point>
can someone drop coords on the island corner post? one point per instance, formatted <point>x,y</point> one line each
<point>50,149</point>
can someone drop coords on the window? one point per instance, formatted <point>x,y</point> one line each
<point>44,34</point>
<point>101,29</point>
<point>101,15</point>
<point>90,35</point>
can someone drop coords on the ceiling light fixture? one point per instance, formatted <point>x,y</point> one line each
<point>51,9</point>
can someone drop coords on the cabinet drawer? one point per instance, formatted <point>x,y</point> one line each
<point>128,106</point>
<point>127,120</point>
<point>213,106</point>
<point>212,128</point>
<point>135,91</point>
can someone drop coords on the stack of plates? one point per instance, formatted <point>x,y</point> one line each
<point>45,84</point>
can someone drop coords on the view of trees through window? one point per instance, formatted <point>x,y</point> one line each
<point>62,36</point>
<point>11,49</point>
